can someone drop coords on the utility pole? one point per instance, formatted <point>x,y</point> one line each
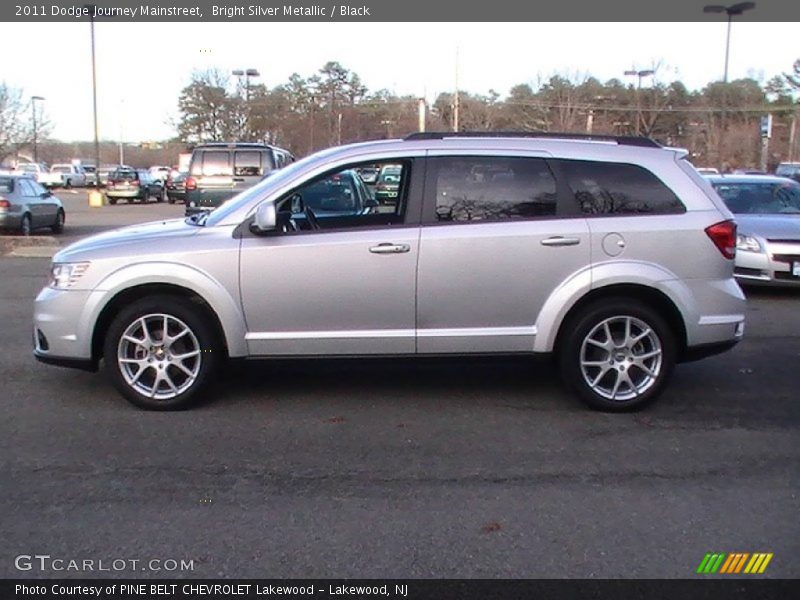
<point>421,114</point>
<point>247,74</point>
<point>35,130</point>
<point>94,90</point>
<point>455,100</point>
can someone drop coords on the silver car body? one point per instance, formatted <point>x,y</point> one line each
<point>776,260</point>
<point>485,288</point>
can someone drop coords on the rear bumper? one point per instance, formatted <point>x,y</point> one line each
<point>123,193</point>
<point>706,350</point>
<point>83,364</point>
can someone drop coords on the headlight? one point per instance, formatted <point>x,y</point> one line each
<point>747,243</point>
<point>65,275</point>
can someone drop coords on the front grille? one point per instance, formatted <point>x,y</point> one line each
<point>786,258</point>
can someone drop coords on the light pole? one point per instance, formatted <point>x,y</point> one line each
<point>35,131</point>
<point>247,74</point>
<point>732,11</point>
<point>639,74</point>
<point>94,89</point>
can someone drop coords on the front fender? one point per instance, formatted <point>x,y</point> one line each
<point>225,306</point>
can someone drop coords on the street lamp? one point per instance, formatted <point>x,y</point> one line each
<point>732,11</point>
<point>639,74</point>
<point>91,9</point>
<point>35,133</point>
<point>247,74</point>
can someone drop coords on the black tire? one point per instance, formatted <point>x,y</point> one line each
<point>58,226</point>
<point>68,184</point>
<point>162,195</point>
<point>620,361</point>
<point>170,199</point>
<point>183,312</point>
<point>112,201</point>
<point>25,226</point>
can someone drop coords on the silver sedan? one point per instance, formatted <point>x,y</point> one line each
<point>767,211</point>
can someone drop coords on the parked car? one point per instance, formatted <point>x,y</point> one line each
<point>369,175</point>
<point>33,170</point>
<point>25,206</point>
<point>788,169</point>
<point>388,184</point>
<point>133,185</point>
<point>91,175</point>
<point>340,195</point>
<point>219,171</point>
<point>160,173</point>
<point>767,210</point>
<point>613,254</point>
<point>176,187</point>
<point>103,172</point>
<point>63,175</point>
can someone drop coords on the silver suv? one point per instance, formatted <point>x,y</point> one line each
<point>610,253</point>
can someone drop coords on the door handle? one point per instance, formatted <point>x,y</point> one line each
<point>388,248</point>
<point>238,179</point>
<point>560,241</point>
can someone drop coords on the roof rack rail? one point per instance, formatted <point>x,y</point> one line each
<point>622,140</point>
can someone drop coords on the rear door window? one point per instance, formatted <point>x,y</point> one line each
<point>492,189</point>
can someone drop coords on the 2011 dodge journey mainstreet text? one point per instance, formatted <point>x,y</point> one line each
<point>610,253</point>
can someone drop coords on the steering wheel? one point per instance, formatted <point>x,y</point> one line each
<point>311,217</point>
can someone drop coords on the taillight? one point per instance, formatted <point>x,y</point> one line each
<point>4,203</point>
<point>723,235</point>
<point>135,182</point>
<point>191,184</point>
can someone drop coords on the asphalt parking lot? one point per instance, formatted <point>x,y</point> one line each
<point>441,468</point>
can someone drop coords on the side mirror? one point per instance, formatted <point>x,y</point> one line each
<point>265,218</point>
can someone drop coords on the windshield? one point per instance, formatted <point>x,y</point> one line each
<point>61,169</point>
<point>760,198</point>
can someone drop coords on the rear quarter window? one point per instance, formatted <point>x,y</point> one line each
<point>604,188</point>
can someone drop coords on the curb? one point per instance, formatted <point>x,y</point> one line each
<point>34,246</point>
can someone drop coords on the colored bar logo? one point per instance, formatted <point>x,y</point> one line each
<point>734,563</point>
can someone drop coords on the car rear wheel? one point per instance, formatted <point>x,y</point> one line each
<point>25,226</point>
<point>58,226</point>
<point>161,353</point>
<point>112,201</point>
<point>171,199</point>
<point>617,354</point>
<point>162,195</point>
<point>68,184</point>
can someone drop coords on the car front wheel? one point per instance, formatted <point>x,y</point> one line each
<point>617,354</point>
<point>161,353</point>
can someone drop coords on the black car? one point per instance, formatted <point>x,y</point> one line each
<point>134,185</point>
<point>176,188</point>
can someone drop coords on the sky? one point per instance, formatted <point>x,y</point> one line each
<point>142,67</point>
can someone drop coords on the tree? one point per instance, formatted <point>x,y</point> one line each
<point>16,125</point>
<point>207,112</point>
<point>793,78</point>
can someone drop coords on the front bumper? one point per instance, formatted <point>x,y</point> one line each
<point>773,266</point>
<point>61,330</point>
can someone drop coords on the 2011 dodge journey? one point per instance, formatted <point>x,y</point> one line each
<point>610,253</point>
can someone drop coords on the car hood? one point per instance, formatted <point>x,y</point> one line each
<point>774,227</point>
<point>144,234</point>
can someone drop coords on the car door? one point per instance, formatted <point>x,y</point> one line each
<point>29,198</point>
<point>495,243</point>
<point>46,202</point>
<point>348,288</point>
